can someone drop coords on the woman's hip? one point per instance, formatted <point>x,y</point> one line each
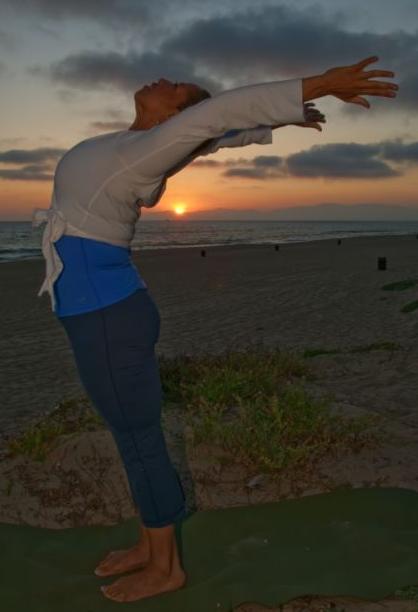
<point>135,320</point>
<point>115,357</point>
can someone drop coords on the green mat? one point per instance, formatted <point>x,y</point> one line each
<point>358,542</point>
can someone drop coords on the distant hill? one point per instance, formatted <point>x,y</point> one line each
<point>317,212</point>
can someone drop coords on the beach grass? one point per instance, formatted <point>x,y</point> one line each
<point>410,306</point>
<point>400,285</point>
<point>71,416</point>
<point>250,402</point>
<point>253,404</point>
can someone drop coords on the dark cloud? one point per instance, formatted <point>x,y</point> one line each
<point>29,173</point>
<point>131,11</point>
<point>400,152</point>
<point>252,173</point>
<point>251,45</point>
<point>277,42</point>
<point>332,161</point>
<point>94,70</point>
<point>260,167</point>
<point>23,156</point>
<point>269,161</point>
<point>36,164</point>
<point>205,163</point>
<point>340,160</point>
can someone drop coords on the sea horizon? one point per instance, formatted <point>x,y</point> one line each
<point>19,240</point>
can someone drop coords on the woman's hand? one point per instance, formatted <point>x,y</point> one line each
<point>312,116</point>
<point>347,83</point>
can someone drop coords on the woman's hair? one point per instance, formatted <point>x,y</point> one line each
<point>201,94</point>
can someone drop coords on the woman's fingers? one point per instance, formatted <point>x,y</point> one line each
<point>377,89</point>
<point>379,84</point>
<point>348,83</point>
<point>377,73</point>
<point>355,100</point>
<point>314,113</point>
<point>368,60</point>
<point>361,101</point>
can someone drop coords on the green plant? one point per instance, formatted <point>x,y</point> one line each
<point>410,306</point>
<point>400,285</point>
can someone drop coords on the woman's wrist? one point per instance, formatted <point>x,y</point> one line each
<point>314,87</point>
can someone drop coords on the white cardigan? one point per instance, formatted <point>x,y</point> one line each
<point>101,183</point>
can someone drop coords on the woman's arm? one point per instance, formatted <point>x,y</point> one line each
<point>152,153</point>
<point>313,117</point>
<point>232,138</point>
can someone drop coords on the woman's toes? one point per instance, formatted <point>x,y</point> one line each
<point>112,592</point>
<point>107,590</point>
<point>104,565</point>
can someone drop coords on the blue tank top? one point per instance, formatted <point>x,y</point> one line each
<point>95,274</point>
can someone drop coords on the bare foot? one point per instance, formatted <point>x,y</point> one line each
<point>120,561</point>
<point>146,583</point>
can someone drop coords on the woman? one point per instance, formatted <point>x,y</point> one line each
<point>103,304</point>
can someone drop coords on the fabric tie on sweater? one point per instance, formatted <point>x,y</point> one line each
<point>54,229</point>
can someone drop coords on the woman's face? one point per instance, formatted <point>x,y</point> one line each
<point>164,97</point>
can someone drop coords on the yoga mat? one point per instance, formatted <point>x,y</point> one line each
<point>353,542</point>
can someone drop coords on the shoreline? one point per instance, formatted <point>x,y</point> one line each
<point>241,245</point>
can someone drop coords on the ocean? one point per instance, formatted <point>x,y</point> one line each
<point>19,240</point>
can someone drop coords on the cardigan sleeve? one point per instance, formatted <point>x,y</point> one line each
<point>239,138</point>
<point>152,153</point>
<point>232,138</point>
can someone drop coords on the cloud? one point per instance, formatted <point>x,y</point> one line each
<point>25,156</point>
<point>112,70</point>
<point>268,161</point>
<point>262,167</point>
<point>206,163</point>
<point>111,11</point>
<point>400,152</point>
<point>253,173</point>
<point>330,161</point>
<point>246,46</point>
<point>28,173</point>
<point>340,160</point>
<point>277,42</point>
<point>36,164</point>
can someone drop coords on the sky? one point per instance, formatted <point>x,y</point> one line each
<point>69,70</point>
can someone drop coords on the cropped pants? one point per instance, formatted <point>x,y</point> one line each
<point>118,368</point>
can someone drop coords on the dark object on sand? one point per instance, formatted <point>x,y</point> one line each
<point>203,253</point>
<point>381,263</point>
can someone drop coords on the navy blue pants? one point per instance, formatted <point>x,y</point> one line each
<point>116,361</point>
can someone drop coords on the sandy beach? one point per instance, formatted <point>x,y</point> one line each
<point>303,296</point>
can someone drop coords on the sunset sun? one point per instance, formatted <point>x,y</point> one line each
<point>180,209</point>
